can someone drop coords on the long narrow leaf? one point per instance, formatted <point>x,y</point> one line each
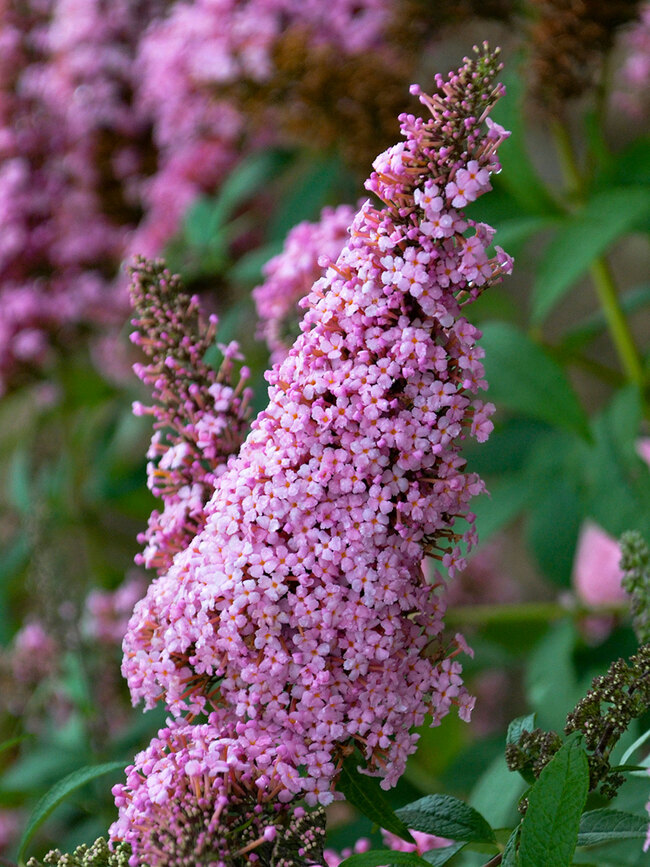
<point>585,236</point>
<point>58,793</point>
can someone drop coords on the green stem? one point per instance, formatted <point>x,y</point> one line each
<point>568,161</point>
<point>603,279</point>
<point>601,273</point>
<point>524,612</point>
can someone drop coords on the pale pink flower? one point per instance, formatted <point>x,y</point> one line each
<point>596,571</point>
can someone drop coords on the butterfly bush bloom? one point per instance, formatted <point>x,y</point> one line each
<point>200,415</point>
<point>302,603</point>
<point>34,654</point>
<point>73,149</point>
<point>192,798</point>
<point>291,274</point>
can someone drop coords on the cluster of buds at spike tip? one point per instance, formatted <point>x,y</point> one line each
<point>603,715</point>
<point>301,613</point>
<point>200,414</point>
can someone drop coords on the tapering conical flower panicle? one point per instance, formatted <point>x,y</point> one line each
<point>200,415</point>
<point>603,715</point>
<point>303,602</point>
<point>97,855</point>
<point>290,275</point>
<point>208,795</point>
<point>635,564</point>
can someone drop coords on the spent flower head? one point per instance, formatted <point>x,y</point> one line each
<point>603,715</point>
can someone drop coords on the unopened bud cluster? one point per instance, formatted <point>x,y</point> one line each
<point>97,855</point>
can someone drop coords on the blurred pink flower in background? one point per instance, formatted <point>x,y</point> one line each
<point>643,447</point>
<point>596,572</point>
<point>107,612</point>
<point>635,72</point>
<point>11,823</point>
<point>423,843</point>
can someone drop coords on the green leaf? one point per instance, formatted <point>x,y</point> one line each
<point>365,794</point>
<point>200,227</point>
<point>438,857</point>
<point>502,811</point>
<point>630,166</point>
<point>314,183</point>
<point>388,857</point>
<point>20,493</point>
<point>605,826</point>
<point>513,233</point>
<point>206,218</point>
<point>501,505</point>
<point>510,853</point>
<point>584,236</point>
<point>58,793</point>
<point>447,816</point>
<point>614,478</point>
<point>519,174</point>
<point>248,269</point>
<point>550,679</point>
<point>549,830</point>
<point>246,179</point>
<point>518,726</point>
<point>524,378</point>
<point>14,558</point>
<point>553,541</point>
<point>635,746</point>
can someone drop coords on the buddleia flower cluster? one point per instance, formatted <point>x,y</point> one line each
<point>74,149</point>
<point>290,275</point>
<point>200,415</point>
<point>299,619</point>
<point>193,798</point>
